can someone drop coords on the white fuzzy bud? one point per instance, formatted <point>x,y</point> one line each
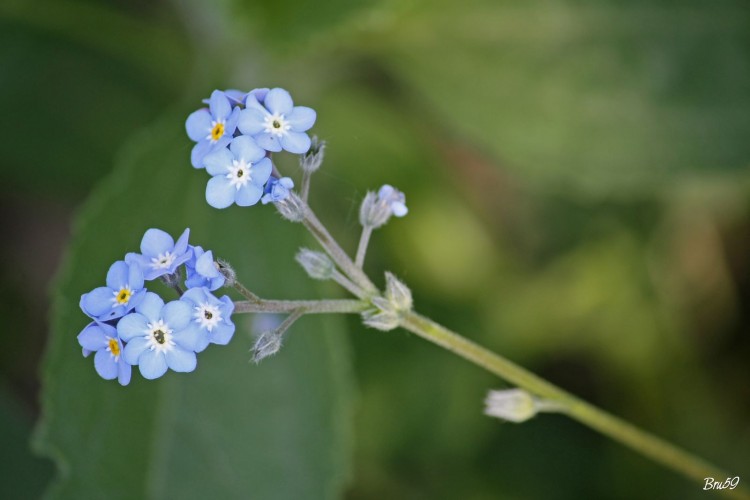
<point>311,161</point>
<point>517,405</point>
<point>268,344</point>
<point>397,293</point>
<point>292,208</point>
<point>227,271</point>
<point>317,264</point>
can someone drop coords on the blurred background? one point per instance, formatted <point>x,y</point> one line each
<point>579,193</point>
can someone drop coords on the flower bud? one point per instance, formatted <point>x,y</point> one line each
<point>311,161</point>
<point>513,405</point>
<point>268,344</point>
<point>292,208</point>
<point>384,320</point>
<point>317,264</point>
<point>397,293</point>
<point>227,271</point>
<point>376,209</point>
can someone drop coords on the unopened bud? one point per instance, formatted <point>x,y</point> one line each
<point>397,293</point>
<point>384,320</point>
<point>311,161</point>
<point>376,209</point>
<point>292,208</point>
<point>227,271</point>
<point>317,264</point>
<point>268,344</point>
<point>517,405</point>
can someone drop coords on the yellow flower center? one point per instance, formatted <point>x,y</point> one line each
<point>114,347</point>
<point>124,296</point>
<point>217,132</point>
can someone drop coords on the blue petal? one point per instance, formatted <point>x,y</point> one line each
<point>251,121</point>
<point>261,171</point>
<point>198,125</point>
<point>301,118</point>
<point>205,265</point>
<point>151,307</point>
<point>199,151</point>
<point>97,302</point>
<point>152,365</point>
<point>124,371</point>
<point>135,276</point>
<point>193,338</point>
<point>133,350</point>
<point>259,95</point>
<point>236,97</point>
<point>219,105</point>
<point>194,296</point>
<point>177,314</point>
<point>181,360</point>
<point>220,192</point>
<point>156,241</point>
<point>278,101</point>
<point>227,308</point>
<point>132,326</point>
<point>105,365</point>
<point>248,195</point>
<point>267,141</point>
<point>295,142</point>
<point>231,124</point>
<point>222,333</point>
<point>92,337</point>
<point>118,275</point>
<point>180,247</point>
<point>218,161</point>
<point>245,148</point>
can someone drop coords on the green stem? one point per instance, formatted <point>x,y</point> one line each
<point>647,444</point>
<point>342,306</point>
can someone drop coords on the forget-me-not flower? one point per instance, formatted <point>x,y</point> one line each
<point>160,254</point>
<point>104,341</point>
<point>239,174</point>
<point>212,128</point>
<point>210,322</point>
<point>123,292</point>
<point>394,199</point>
<point>202,270</point>
<point>275,123</point>
<point>155,338</point>
<point>277,189</point>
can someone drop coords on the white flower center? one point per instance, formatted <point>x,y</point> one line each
<point>163,260</point>
<point>276,124</point>
<point>207,316</point>
<point>121,296</point>
<point>239,173</point>
<point>159,336</point>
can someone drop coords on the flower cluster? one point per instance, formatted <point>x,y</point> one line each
<point>235,137</point>
<point>132,326</point>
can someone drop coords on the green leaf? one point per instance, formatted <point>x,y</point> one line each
<point>230,429</point>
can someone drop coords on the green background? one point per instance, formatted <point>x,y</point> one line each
<point>579,193</point>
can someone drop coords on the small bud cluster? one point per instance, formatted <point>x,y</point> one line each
<point>376,209</point>
<point>389,308</point>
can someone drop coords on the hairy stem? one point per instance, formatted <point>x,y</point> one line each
<point>364,240</point>
<point>305,191</point>
<point>341,306</point>
<point>643,442</point>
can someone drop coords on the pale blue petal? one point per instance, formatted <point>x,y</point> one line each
<point>193,338</point>
<point>205,265</point>
<point>194,296</point>
<point>279,101</point>
<point>248,195</point>
<point>135,276</point>
<point>236,97</point>
<point>245,148</point>
<point>92,338</point>
<point>219,105</point>
<point>177,314</point>
<point>218,161</point>
<point>151,307</point>
<point>131,326</point>
<point>219,192</point>
<point>124,371</point>
<point>118,275</point>
<point>222,333</point>
<point>155,242</point>
<point>199,151</point>
<point>105,365</point>
<point>97,302</point>
<point>227,307</point>
<point>261,171</point>
<point>295,142</point>
<point>301,118</point>
<point>198,124</point>
<point>152,365</point>
<point>267,141</point>
<point>181,360</point>
<point>180,247</point>
<point>231,124</point>
<point>133,350</point>
<point>259,94</point>
<point>252,120</point>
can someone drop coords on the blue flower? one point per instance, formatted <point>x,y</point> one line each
<point>104,341</point>
<point>123,292</point>
<point>212,128</point>
<point>211,321</point>
<point>155,337</point>
<point>394,199</point>
<point>160,254</point>
<point>275,123</point>
<point>202,270</point>
<point>277,189</point>
<point>236,97</point>
<point>239,174</point>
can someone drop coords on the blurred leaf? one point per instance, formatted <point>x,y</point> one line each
<point>228,430</point>
<point>602,98</point>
